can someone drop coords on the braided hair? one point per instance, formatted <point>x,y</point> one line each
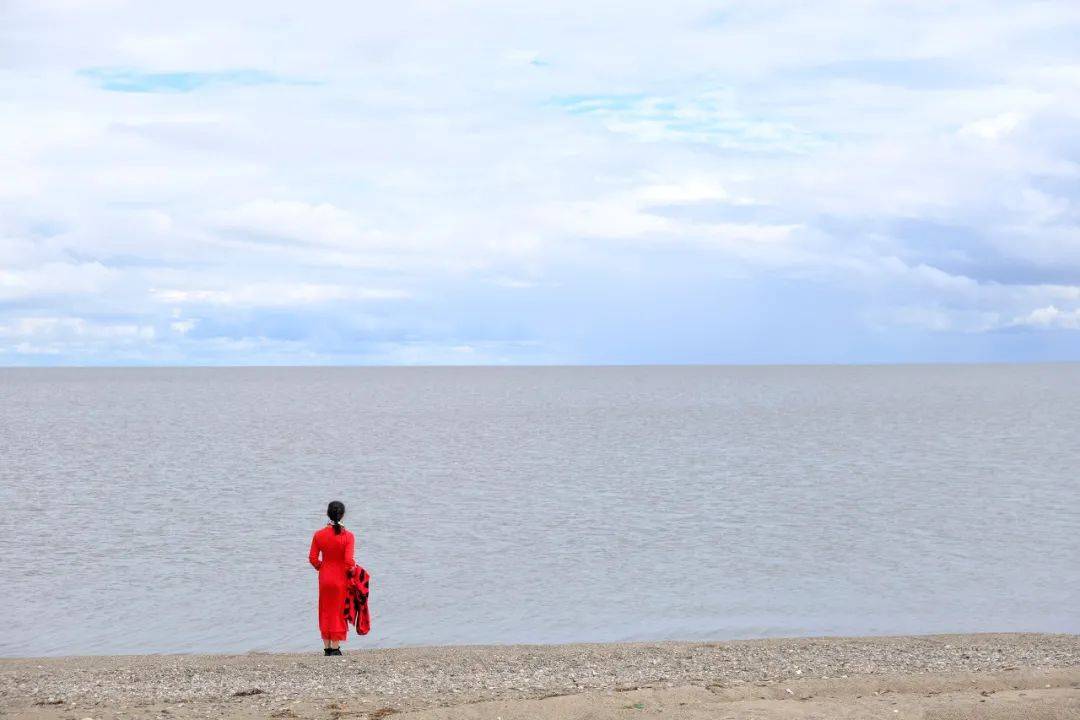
<point>335,511</point>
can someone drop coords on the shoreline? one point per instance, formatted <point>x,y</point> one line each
<point>992,673</point>
<point>350,645</point>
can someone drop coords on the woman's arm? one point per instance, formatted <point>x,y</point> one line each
<point>313,554</point>
<point>350,545</point>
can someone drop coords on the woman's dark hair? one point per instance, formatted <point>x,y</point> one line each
<point>335,511</point>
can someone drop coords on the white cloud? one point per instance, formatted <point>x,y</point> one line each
<point>37,334</point>
<point>183,327</point>
<point>320,223</point>
<point>993,128</point>
<point>689,191</point>
<point>53,278</point>
<point>455,158</point>
<point>1051,317</point>
<point>275,295</point>
<point>609,218</point>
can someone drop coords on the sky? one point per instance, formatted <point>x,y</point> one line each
<point>235,183</point>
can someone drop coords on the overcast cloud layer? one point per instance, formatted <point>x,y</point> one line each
<point>280,182</point>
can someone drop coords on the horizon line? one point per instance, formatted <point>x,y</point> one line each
<point>545,365</point>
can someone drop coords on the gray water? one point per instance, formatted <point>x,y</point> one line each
<point>164,510</point>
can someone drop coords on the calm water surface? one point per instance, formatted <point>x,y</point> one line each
<point>161,510</point>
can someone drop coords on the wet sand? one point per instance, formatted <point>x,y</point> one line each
<point>943,676</point>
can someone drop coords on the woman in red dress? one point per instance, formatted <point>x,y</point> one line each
<point>332,555</point>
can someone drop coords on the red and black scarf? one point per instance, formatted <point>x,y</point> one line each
<point>356,600</point>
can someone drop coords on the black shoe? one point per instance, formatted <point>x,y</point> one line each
<point>335,651</point>
<point>327,651</point>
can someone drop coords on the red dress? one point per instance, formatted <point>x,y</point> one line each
<point>337,559</point>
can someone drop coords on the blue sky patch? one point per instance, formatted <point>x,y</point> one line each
<point>137,81</point>
<point>713,117</point>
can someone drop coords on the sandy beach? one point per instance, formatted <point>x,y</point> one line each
<point>941,676</point>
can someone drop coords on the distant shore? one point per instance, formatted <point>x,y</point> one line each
<point>939,676</point>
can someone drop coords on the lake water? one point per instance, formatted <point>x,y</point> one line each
<point>170,510</point>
